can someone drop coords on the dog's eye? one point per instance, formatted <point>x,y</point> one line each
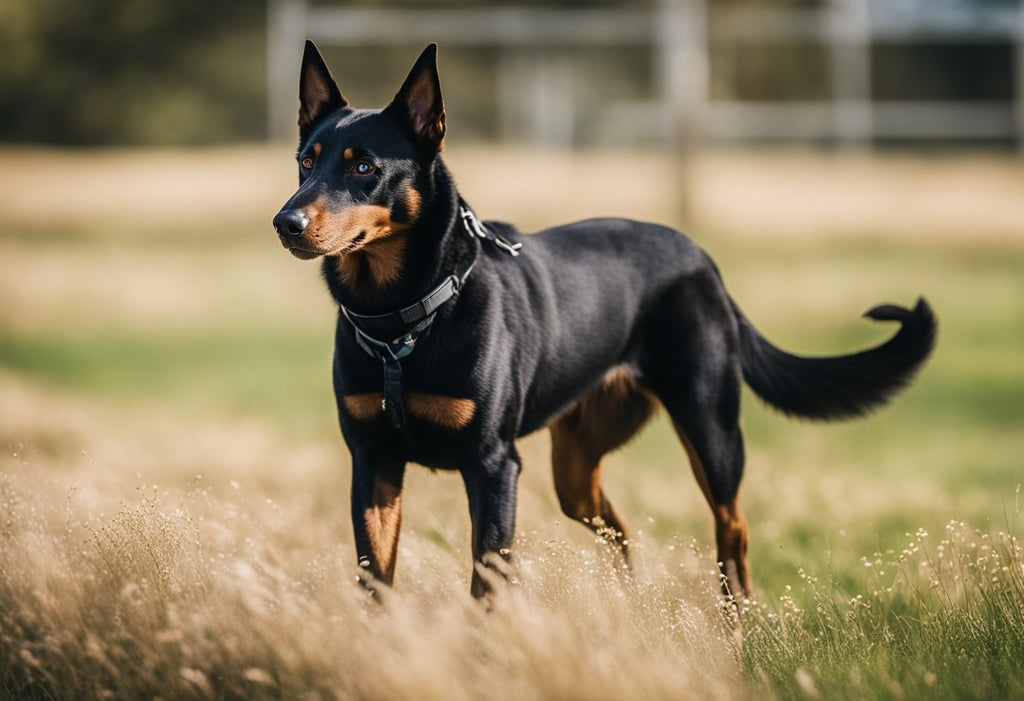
<point>307,163</point>
<point>364,168</point>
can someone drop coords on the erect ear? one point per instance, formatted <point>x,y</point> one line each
<point>418,108</point>
<point>319,95</point>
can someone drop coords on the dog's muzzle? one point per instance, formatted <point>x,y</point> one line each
<point>290,223</point>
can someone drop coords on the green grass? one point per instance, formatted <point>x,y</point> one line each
<point>283,376</point>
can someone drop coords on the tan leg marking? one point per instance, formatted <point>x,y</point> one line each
<point>730,529</point>
<point>383,520</point>
<point>601,422</point>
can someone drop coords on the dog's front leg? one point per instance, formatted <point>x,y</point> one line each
<point>491,488</point>
<point>377,516</point>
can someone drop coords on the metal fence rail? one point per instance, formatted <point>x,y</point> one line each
<point>679,36</point>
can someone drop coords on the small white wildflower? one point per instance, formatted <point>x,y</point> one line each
<point>806,683</point>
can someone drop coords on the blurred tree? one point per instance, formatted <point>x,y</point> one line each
<point>131,71</point>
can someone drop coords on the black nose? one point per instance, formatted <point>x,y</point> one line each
<point>290,222</point>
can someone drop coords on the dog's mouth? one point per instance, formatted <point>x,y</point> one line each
<point>351,245</point>
<point>307,254</point>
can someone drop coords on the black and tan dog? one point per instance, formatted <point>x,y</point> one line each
<point>456,337</point>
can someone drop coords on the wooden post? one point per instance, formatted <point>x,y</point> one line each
<point>1018,50</point>
<point>286,29</point>
<point>681,36</point>
<point>850,47</point>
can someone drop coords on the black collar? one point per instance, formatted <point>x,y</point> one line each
<point>408,321</point>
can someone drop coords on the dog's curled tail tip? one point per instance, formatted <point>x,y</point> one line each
<point>922,311</point>
<point>842,386</point>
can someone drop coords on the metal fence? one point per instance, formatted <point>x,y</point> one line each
<point>679,36</point>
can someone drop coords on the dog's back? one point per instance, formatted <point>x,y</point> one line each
<point>576,300</point>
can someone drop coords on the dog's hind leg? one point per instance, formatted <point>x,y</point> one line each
<point>601,422</point>
<point>730,525</point>
<point>693,366</point>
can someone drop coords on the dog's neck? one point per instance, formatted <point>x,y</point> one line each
<point>398,270</point>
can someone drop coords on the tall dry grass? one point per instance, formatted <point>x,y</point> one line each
<point>214,595</point>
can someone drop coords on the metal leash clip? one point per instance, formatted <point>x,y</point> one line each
<point>472,224</point>
<point>512,248</point>
<point>474,227</point>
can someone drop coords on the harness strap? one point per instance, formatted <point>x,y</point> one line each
<point>394,407</point>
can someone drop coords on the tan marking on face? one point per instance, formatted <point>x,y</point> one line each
<point>446,412</point>
<point>332,233</point>
<point>364,407</point>
<point>383,519</point>
<point>343,227</point>
<point>413,200</point>
<point>316,149</point>
<point>348,154</point>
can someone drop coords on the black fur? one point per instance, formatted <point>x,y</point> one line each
<point>844,386</point>
<point>585,307</point>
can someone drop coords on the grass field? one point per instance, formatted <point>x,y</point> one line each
<point>174,517</point>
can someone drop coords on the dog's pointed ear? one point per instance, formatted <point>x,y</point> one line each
<point>319,95</point>
<point>418,108</point>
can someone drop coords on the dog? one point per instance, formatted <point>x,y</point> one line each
<point>455,337</point>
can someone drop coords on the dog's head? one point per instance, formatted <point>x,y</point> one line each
<point>360,171</point>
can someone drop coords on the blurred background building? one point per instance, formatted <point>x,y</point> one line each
<point>862,72</point>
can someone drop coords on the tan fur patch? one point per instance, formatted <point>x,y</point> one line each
<point>316,150</point>
<point>344,226</point>
<point>613,412</point>
<point>364,407</point>
<point>446,412</point>
<point>383,259</point>
<point>619,380</point>
<point>348,268</point>
<point>730,527</point>
<point>383,519</point>
<point>331,232</point>
<point>437,409</point>
<point>348,154</point>
<point>413,200</point>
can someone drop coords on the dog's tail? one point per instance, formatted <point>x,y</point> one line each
<point>842,386</point>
